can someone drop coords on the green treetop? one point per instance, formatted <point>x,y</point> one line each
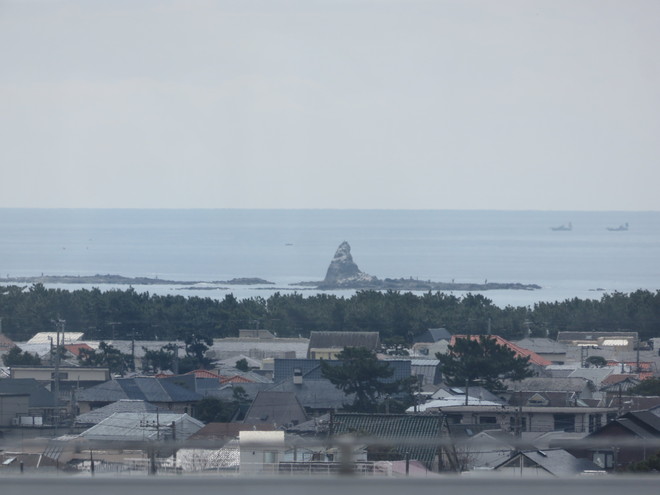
<point>472,361</point>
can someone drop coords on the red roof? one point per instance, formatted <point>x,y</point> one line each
<point>519,351</point>
<point>204,374</point>
<point>646,368</point>
<point>76,348</point>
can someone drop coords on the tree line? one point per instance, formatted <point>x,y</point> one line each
<point>397,316</point>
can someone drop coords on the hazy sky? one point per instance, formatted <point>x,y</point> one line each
<point>444,104</point>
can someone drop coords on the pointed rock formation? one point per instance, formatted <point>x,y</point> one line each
<point>343,272</point>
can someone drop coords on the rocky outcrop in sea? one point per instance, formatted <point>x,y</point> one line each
<point>343,273</point>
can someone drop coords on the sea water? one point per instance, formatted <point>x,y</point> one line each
<point>290,246</point>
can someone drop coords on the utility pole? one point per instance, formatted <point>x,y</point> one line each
<point>173,426</point>
<point>133,351</point>
<point>59,326</point>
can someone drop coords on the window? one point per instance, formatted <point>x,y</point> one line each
<point>603,459</point>
<point>454,419</point>
<point>512,423</point>
<point>594,422</point>
<point>564,422</point>
<point>487,420</point>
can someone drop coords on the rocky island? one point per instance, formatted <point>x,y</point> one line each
<point>121,280</point>
<point>343,273</point>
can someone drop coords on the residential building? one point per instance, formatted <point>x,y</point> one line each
<point>161,393</point>
<point>632,437</point>
<point>556,463</point>
<point>326,345</point>
<point>277,408</point>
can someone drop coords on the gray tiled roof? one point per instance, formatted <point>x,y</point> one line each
<point>124,405</point>
<point>278,408</point>
<point>40,397</point>
<point>542,346</point>
<point>147,389</point>
<point>142,426</point>
<point>317,394</point>
<point>636,428</point>
<point>406,432</point>
<point>596,375</point>
<point>557,462</point>
<point>541,384</point>
<point>649,419</point>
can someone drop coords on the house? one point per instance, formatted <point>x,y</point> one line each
<point>52,338</point>
<point>95,416</point>
<point>260,451</point>
<point>481,449</point>
<point>574,388</point>
<point>594,375</point>
<point>123,428</point>
<point>127,427</point>
<point>316,393</point>
<point>13,407</point>
<point>326,345</point>
<point>427,371</point>
<point>230,363</point>
<point>553,351</point>
<point>428,343</point>
<point>126,441</point>
<point>315,396</point>
<point>161,393</point>
<point>432,335</point>
<point>277,408</point>
<point>391,437</point>
<point>69,353</point>
<point>629,438</point>
<point>256,334</point>
<point>215,447</point>
<point>40,408</point>
<point>258,348</point>
<point>69,376</point>
<point>619,340</point>
<point>557,463</point>
<point>519,418</point>
<point>310,369</point>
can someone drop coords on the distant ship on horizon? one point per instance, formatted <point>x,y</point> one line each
<point>567,227</point>
<point>620,228</point>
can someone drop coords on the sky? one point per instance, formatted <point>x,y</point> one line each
<point>376,104</point>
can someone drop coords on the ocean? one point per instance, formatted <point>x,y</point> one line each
<point>289,246</point>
